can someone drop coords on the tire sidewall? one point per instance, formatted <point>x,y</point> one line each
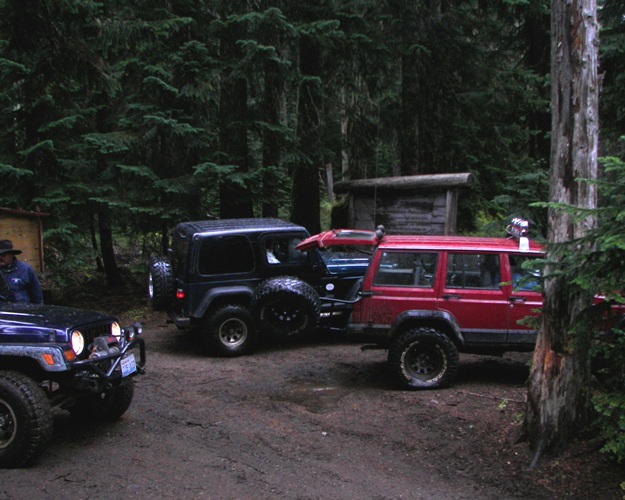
<point>160,283</point>
<point>30,409</point>
<point>234,321</point>
<point>436,346</point>
<point>285,307</point>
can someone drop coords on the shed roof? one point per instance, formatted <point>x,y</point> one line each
<point>412,182</point>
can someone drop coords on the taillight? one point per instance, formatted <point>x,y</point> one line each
<point>179,294</point>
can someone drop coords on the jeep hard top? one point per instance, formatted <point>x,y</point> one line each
<point>59,357</point>
<point>233,279</point>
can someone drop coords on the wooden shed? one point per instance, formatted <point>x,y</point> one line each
<point>416,204</point>
<point>25,230</point>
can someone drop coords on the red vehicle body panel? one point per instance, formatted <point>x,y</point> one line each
<point>484,316</point>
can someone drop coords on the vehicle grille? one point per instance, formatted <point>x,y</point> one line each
<point>90,332</point>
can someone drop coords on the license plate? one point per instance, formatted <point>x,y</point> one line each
<point>128,365</point>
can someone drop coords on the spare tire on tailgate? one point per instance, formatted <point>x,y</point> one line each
<point>285,307</point>
<point>160,283</point>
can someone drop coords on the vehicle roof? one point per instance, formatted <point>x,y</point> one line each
<point>357,237</point>
<point>469,243</point>
<point>250,225</point>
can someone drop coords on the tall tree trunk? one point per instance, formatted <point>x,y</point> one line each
<point>409,132</point>
<point>274,88</point>
<point>235,197</point>
<point>94,245</point>
<point>113,277</point>
<point>558,397</point>
<point>306,203</point>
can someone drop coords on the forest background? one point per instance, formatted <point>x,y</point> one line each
<point>121,118</point>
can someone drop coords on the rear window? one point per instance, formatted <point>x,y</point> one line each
<point>226,255</point>
<point>180,247</point>
<point>466,270</point>
<point>280,249</point>
<point>413,269</point>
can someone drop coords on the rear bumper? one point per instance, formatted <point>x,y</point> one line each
<point>181,322</point>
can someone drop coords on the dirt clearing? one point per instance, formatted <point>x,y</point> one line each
<point>307,420</point>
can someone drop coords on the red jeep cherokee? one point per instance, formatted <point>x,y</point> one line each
<point>427,298</point>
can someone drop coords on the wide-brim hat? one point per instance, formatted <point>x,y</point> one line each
<point>6,246</point>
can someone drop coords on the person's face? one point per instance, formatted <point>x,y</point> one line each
<point>6,259</point>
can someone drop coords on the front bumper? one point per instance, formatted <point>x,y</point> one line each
<point>109,365</point>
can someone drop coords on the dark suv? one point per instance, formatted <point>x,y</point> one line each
<point>235,278</point>
<point>59,357</point>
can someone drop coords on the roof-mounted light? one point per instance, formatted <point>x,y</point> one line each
<point>518,227</point>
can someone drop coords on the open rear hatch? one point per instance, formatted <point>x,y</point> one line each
<point>343,237</point>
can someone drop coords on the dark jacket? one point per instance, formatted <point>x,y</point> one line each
<point>23,283</point>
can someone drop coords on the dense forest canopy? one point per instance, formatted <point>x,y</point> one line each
<point>125,117</point>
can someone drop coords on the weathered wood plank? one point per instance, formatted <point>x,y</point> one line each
<point>411,182</point>
<point>25,231</point>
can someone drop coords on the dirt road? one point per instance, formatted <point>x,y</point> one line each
<point>306,421</point>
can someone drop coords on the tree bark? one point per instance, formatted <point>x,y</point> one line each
<point>306,203</point>
<point>274,88</point>
<point>113,277</point>
<point>558,394</point>
<point>410,112</point>
<point>235,197</point>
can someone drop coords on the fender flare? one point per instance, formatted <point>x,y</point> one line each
<point>37,353</point>
<point>433,317</point>
<point>218,293</point>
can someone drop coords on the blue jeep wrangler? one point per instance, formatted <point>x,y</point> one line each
<point>62,357</point>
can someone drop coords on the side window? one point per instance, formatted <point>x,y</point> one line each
<point>525,276</point>
<point>227,254</point>
<point>465,270</point>
<point>415,269</point>
<point>281,250</point>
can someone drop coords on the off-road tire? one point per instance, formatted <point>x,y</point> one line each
<point>284,307</point>
<point>423,358</point>
<point>160,283</point>
<point>228,332</point>
<point>25,420</point>
<point>108,406</point>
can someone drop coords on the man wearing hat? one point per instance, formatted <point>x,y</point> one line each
<point>22,280</point>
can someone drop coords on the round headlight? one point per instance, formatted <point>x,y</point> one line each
<point>116,330</point>
<point>78,342</point>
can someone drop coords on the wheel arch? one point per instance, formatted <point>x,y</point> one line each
<point>439,320</point>
<point>220,297</point>
<point>22,364</point>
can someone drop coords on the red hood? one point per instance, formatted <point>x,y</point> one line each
<point>342,237</point>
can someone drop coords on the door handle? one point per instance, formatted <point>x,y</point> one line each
<point>517,299</point>
<point>450,296</point>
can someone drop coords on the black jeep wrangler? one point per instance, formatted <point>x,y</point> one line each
<point>59,357</point>
<point>236,278</point>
